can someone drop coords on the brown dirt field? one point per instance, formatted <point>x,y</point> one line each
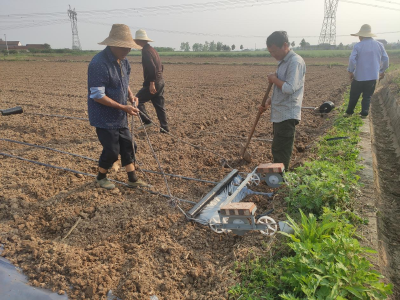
<point>130,241</point>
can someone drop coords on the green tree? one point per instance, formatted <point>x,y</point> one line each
<point>293,44</point>
<point>219,46</point>
<point>226,48</point>
<point>47,46</point>
<point>196,47</point>
<point>183,45</point>
<point>206,46</point>
<point>213,46</point>
<point>303,43</point>
<point>233,47</point>
<point>241,47</point>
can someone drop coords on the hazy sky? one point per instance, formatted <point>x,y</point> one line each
<point>168,23</point>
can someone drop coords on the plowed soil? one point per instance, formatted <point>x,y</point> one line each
<point>129,241</point>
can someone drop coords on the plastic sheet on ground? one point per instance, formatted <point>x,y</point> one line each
<point>14,285</point>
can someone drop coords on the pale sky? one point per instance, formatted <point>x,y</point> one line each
<point>168,23</point>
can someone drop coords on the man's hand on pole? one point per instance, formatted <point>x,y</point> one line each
<point>264,108</point>
<point>129,109</point>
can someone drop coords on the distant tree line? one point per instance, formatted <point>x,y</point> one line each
<point>208,47</point>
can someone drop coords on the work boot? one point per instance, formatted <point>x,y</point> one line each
<point>363,117</point>
<point>138,183</point>
<point>144,126</point>
<point>164,130</point>
<point>105,183</point>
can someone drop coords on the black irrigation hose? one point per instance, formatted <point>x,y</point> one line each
<point>95,160</point>
<point>87,174</point>
<point>171,135</point>
<point>57,116</point>
<point>337,138</point>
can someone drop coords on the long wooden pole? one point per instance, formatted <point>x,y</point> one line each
<point>256,121</point>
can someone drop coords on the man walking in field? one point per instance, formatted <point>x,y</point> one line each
<point>108,92</point>
<point>153,85</point>
<point>287,96</point>
<point>368,63</point>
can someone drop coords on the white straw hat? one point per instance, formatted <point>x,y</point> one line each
<point>142,35</point>
<point>120,36</point>
<point>365,31</point>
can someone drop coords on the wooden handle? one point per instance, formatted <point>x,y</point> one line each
<point>266,94</point>
<point>257,118</point>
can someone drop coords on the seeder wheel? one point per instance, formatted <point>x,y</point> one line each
<point>273,180</point>
<point>272,226</point>
<point>255,179</point>
<point>214,221</point>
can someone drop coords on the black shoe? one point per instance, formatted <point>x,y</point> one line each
<point>164,130</point>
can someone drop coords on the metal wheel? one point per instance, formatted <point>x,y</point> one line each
<point>272,226</point>
<point>214,221</point>
<point>241,221</point>
<point>255,179</point>
<point>274,180</point>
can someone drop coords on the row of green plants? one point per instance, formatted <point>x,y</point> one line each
<point>323,258</point>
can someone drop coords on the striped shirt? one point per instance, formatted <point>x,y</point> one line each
<point>286,103</point>
<point>368,59</point>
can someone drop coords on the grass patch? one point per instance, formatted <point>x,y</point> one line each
<point>324,259</point>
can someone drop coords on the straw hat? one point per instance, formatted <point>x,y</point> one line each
<point>142,35</point>
<point>365,31</point>
<point>120,36</point>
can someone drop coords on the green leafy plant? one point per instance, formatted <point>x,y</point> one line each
<point>327,263</point>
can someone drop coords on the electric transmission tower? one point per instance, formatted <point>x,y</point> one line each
<point>76,44</point>
<point>328,31</point>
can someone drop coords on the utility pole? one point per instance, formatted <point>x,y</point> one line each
<point>76,44</point>
<point>5,38</point>
<point>328,31</point>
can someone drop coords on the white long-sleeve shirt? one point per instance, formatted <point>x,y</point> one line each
<point>368,59</point>
<point>286,102</point>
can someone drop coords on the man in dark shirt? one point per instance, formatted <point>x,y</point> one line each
<point>108,92</point>
<point>153,85</point>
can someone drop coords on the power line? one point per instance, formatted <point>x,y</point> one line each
<point>372,5</point>
<point>218,34</point>
<point>170,9</point>
<point>34,24</point>
<point>391,2</point>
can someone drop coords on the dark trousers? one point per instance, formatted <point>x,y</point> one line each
<point>157,99</point>
<point>367,89</point>
<point>282,144</point>
<point>114,142</point>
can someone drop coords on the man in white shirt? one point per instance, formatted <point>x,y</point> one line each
<point>368,63</point>
<point>287,97</point>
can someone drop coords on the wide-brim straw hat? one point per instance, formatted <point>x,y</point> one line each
<point>120,36</point>
<point>365,31</point>
<point>142,35</point>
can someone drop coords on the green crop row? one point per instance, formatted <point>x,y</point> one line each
<point>322,259</point>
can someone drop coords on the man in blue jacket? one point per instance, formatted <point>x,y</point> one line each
<point>108,93</point>
<point>368,63</point>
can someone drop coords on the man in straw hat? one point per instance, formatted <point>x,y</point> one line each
<point>368,63</point>
<point>108,92</point>
<point>153,85</point>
